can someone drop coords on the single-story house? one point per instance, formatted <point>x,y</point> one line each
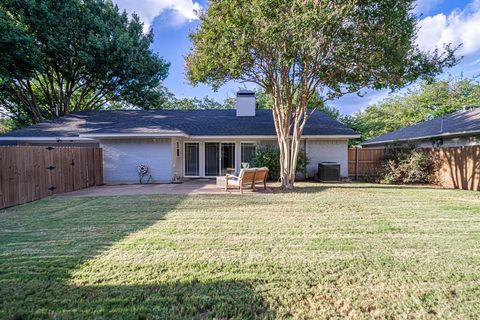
<point>453,130</point>
<point>177,144</point>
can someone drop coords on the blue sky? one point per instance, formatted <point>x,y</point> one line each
<point>441,21</point>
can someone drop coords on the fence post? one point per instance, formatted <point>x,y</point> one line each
<point>356,163</point>
<point>464,159</point>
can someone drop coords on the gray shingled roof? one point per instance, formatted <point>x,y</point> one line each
<point>458,123</point>
<point>189,122</point>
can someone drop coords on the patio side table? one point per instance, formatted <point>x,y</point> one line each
<point>221,182</point>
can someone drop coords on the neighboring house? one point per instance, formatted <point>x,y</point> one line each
<point>456,129</point>
<point>178,144</point>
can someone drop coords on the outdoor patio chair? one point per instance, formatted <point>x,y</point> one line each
<point>246,179</point>
<point>261,176</point>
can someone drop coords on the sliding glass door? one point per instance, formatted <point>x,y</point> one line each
<point>192,159</point>
<point>219,158</point>
<point>227,159</point>
<point>212,163</point>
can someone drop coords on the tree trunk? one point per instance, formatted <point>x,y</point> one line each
<point>285,165</point>
<point>290,115</point>
<point>289,143</point>
<point>289,163</point>
<point>289,148</point>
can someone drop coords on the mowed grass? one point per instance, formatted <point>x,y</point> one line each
<point>323,251</point>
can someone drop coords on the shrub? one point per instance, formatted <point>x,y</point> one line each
<point>269,156</point>
<point>407,166</point>
<point>7,125</point>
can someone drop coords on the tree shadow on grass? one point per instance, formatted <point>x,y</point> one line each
<point>44,241</point>
<point>194,300</point>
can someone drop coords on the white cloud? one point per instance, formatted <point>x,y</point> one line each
<point>148,10</point>
<point>459,27</point>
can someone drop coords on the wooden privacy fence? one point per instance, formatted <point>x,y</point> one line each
<point>363,163</point>
<point>456,167</point>
<point>29,173</point>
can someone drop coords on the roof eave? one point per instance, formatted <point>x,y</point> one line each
<point>273,136</point>
<point>133,135</point>
<point>33,138</point>
<point>92,137</point>
<point>443,135</point>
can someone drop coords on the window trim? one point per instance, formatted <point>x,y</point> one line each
<point>185,156</point>
<point>255,144</point>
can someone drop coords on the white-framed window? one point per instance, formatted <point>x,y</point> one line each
<point>247,151</point>
<point>227,158</point>
<point>192,159</point>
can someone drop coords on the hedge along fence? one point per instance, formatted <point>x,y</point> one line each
<point>29,173</point>
<point>456,167</point>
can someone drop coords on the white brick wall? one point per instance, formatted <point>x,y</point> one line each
<point>327,151</point>
<point>121,158</point>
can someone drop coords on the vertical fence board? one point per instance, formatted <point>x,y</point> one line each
<point>11,174</point>
<point>98,165</point>
<point>91,168</point>
<point>25,177</point>
<point>3,179</point>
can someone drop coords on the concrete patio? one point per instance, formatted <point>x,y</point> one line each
<point>197,186</point>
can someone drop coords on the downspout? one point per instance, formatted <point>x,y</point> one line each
<point>305,159</point>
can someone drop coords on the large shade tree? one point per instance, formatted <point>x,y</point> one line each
<point>294,49</point>
<point>65,56</point>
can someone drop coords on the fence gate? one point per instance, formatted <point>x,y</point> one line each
<point>364,162</point>
<point>29,173</point>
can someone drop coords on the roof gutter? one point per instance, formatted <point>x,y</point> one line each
<point>89,137</point>
<point>325,136</point>
<point>58,139</point>
<point>132,135</point>
<point>443,135</point>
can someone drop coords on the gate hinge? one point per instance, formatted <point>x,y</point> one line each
<point>49,148</point>
<point>50,168</point>
<point>52,188</point>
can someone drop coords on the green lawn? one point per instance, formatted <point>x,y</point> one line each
<point>349,250</point>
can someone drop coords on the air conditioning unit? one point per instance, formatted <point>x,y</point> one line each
<point>329,171</point>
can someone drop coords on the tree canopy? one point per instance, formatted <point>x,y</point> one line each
<point>167,100</point>
<point>295,49</point>
<point>19,56</point>
<point>64,56</point>
<point>425,101</point>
